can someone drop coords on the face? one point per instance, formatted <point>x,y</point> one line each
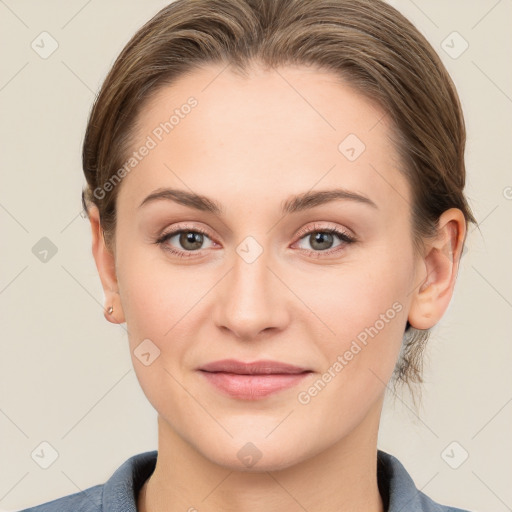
<point>259,271</point>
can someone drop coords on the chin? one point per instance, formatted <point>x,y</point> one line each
<point>254,456</point>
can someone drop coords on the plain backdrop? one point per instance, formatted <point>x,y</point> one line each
<point>65,373</point>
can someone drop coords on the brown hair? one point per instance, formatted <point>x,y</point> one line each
<point>367,43</point>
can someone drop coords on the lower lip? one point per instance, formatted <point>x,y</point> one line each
<point>253,387</point>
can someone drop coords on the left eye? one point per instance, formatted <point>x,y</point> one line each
<point>322,239</point>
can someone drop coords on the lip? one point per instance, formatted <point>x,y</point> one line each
<point>252,381</point>
<point>263,366</point>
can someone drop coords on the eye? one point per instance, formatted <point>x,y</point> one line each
<point>189,241</point>
<point>321,239</point>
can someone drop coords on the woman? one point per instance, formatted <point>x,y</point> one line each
<point>275,190</point>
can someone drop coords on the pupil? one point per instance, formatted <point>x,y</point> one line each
<point>193,238</point>
<point>322,237</point>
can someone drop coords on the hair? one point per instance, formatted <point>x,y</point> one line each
<point>368,44</point>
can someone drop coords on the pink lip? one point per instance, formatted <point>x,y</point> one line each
<point>252,381</point>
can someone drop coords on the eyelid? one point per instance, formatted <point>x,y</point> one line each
<point>317,226</point>
<point>185,226</point>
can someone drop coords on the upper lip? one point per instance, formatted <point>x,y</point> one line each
<point>261,367</point>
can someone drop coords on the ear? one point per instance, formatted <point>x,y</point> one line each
<point>437,271</point>
<point>105,263</point>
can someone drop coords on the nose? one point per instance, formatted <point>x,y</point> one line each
<point>251,299</point>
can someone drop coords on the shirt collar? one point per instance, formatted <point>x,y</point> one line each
<point>396,487</point>
<point>122,488</point>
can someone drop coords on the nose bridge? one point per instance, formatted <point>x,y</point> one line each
<point>249,297</point>
<point>250,277</point>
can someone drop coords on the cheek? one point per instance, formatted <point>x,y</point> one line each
<point>151,290</point>
<point>364,305</point>
<point>355,295</point>
<point>161,302</point>
<point>155,302</point>
<point>367,312</point>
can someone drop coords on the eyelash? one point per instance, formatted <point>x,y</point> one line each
<point>342,235</point>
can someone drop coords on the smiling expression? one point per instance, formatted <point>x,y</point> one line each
<point>270,223</point>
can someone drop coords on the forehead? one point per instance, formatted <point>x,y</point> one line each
<point>291,128</point>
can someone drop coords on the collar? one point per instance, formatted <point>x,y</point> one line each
<point>398,491</point>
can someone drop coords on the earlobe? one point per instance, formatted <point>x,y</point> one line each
<point>438,271</point>
<point>105,263</point>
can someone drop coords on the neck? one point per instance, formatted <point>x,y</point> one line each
<point>341,478</point>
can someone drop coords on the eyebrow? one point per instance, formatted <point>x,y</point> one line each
<point>294,204</point>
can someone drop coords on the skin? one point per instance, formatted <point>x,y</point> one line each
<point>250,144</point>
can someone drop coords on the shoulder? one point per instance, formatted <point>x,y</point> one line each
<point>399,490</point>
<point>117,494</point>
<point>89,500</point>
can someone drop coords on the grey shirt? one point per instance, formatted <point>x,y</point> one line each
<point>119,493</point>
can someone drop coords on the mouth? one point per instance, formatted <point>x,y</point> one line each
<point>252,381</point>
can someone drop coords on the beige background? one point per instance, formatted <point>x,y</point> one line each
<point>65,373</point>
